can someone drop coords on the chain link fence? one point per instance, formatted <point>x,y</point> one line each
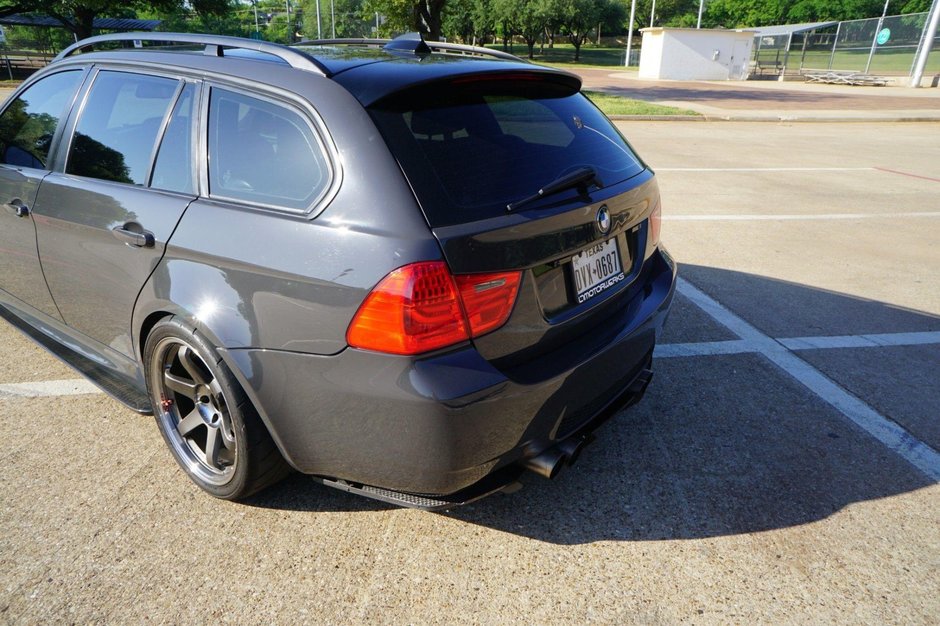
<point>875,46</point>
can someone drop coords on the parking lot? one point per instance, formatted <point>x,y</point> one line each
<point>783,466</point>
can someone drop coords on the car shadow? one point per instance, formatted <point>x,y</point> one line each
<point>720,445</point>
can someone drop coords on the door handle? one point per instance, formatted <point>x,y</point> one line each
<point>142,239</point>
<point>17,208</point>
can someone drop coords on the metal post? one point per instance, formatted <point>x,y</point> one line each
<point>333,18</point>
<point>701,6</point>
<point>653,13</point>
<point>290,29</point>
<point>320,36</point>
<point>786,57</point>
<point>803,55</point>
<point>874,39</point>
<point>630,31</point>
<point>833,55</point>
<point>930,33</point>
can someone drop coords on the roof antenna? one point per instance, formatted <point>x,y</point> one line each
<point>409,42</point>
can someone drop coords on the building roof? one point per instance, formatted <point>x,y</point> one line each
<point>100,23</point>
<point>787,29</point>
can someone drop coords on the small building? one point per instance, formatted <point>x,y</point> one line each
<point>695,54</point>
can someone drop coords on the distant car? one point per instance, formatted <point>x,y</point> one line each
<point>411,270</point>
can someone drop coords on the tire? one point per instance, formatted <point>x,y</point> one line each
<point>207,421</point>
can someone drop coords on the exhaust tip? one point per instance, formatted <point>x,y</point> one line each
<point>547,464</point>
<point>571,448</point>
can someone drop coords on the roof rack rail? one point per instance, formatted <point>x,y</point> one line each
<point>414,42</point>
<point>214,46</point>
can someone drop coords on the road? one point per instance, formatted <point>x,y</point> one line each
<point>782,468</point>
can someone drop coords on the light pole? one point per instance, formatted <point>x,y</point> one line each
<point>653,13</point>
<point>333,19</point>
<point>701,6</point>
<point>630,31</point>
<point>319,34</point>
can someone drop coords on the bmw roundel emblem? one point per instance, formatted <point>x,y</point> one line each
<point>603,220</point>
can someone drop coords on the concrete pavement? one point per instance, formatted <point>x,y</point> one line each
<point>772,100</point>
<point>739,491</point>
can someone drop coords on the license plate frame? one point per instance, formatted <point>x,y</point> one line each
<point>596,269</point>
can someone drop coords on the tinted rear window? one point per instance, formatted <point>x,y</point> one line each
<point>471,152</point>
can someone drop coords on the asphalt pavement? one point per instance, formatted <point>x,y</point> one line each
<point>783,468</point>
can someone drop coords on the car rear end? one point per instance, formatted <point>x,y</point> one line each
<point>538,319</point>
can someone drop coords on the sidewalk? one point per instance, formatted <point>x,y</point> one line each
<point>765,100</point>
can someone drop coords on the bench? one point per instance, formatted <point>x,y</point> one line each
<point>25,60</point>
<point>761,66</point>
<point>845,78</point>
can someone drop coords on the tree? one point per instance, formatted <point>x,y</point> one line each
<point>78,16</point>
<point>423,16</point>
<point>579,18</point>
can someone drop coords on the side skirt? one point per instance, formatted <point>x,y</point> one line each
<point>113,384</point>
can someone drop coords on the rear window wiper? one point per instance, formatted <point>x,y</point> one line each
<point>580,178</point>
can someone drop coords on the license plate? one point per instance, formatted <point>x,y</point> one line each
<point>596,269</point>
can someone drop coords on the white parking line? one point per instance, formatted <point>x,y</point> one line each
<point>762,217</point>
<point>891,434</point>
<point>71,387</point>
<point>740,346</point>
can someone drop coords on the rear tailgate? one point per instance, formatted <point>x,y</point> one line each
<point>472,147</point>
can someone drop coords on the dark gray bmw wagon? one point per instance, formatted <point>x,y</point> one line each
<point>411,270</point>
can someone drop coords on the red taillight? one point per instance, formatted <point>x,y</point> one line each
<point>656,223</point>
<point>488,299</point>
<point>422,307</point>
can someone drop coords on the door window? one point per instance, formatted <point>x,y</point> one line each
<point>28,125</point>
<point>173,169</point>
<point>117,131</point>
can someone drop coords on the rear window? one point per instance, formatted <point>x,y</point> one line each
<point>469,153</point>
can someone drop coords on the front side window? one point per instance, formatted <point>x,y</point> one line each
<point>118,127</point>
<point>28,125</point>
<point>262,152</point>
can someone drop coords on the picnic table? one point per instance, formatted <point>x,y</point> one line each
<point>845,78</point>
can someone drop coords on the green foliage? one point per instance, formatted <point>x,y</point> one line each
<point>77,16</point>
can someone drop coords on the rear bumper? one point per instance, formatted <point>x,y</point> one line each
<point>439,424</point>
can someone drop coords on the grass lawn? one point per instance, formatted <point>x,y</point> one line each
<point>618,105</point>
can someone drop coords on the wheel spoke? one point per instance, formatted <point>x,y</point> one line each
<point>190,363</point>
<point>188,423</point>
<point>213,444</point>
<point>179,385</point>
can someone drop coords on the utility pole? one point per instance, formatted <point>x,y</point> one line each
<point>290,27</point>
<point>926,43</point>
<point>333,18</point>
<point>701,7</point>
<point>630,32</point>
<point>652,13</point>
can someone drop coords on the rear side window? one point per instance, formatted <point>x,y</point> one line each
<point>264,153</point>
<point>28,125</point>
<point>470,152</point>
<point>117,131</point>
